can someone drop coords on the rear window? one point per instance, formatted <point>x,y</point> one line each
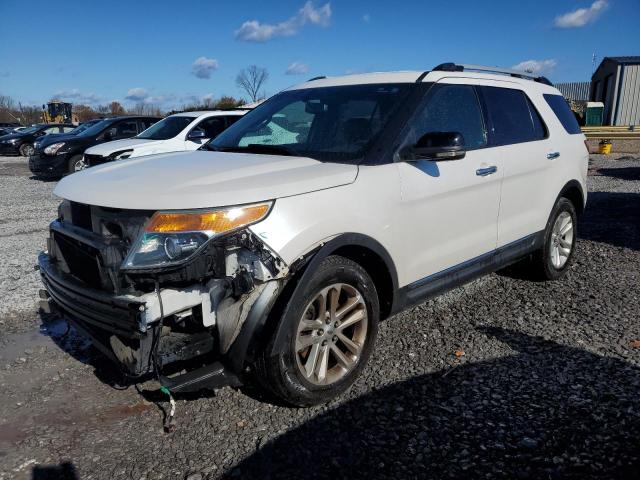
<point>512,117</point>
<point>561,108</point>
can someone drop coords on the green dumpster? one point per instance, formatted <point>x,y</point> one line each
<point>594,114</point>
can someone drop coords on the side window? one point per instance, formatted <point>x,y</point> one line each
<point>450,108</point>
<point>561,108</point>
<point>146,123</point>
<point>212,126</point>
<point>539,128</point>
<point>231,119</point>
<point>52,130</point>
<point>67,129</point>
<point>511,119</point>
<point>125,129</point>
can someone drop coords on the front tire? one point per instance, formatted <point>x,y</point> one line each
<point>26,149</point>
<point>329,331</point>
<point>76,164</point>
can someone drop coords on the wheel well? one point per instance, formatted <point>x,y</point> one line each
<point>377,270</point>
<point>573,193</point>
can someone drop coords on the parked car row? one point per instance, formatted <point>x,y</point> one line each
<point>273,251</point>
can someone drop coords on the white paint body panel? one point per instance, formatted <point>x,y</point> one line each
<point>200,179</point>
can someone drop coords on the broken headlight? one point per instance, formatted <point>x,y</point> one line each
<point>172,237</point>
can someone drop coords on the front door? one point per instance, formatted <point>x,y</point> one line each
<point>449,208</point>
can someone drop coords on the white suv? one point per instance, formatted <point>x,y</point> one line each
<point>175,133</point>
<point>275,255</point>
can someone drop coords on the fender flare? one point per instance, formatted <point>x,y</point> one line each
<point>273,303</point>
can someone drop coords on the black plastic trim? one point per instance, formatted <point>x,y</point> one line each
<point>428,287</point>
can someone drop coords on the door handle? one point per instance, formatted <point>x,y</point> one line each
<point>553,155</point>
<point>483,172</point>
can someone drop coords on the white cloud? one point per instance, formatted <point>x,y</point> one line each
<point>366,17</point>
<point>137,94</point>
<point>77,96</point>
<point>203,67</point>
<point>297,68</point>
<point>537,67</point>
<point>581,16</point>
<point>254,31</point>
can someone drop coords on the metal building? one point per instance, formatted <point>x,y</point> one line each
<point>578,91</point>
<point>616,83</point>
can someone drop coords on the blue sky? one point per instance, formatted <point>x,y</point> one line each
<point>171,53</point>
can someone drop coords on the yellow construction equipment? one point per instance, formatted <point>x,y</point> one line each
<point>57,112</point>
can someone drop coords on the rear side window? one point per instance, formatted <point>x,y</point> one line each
<point>561,108</point>
<point>512,117</point>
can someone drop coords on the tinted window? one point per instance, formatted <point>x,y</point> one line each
<point>147,122</point>
<point>212,126</point>
<point>231,119</point>
<point>329,123</point>
<point>166,128</point>
<point>510,117</point>
<point>124,129</point>
<point>450,108</point>
<point>561,108</point>
<point>539,128</point>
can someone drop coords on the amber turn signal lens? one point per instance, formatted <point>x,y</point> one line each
<point>217,221</point>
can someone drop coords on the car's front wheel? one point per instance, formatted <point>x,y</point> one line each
<point>330,328</point>
<point>26,150</point>
<point>76,163</point>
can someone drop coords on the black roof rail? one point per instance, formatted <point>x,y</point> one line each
<point>316,78</point>
<point>422,75</point>
<point>453,67</point>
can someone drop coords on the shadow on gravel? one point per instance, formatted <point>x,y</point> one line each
<point>613,218</point>
<point>64,471</point>
<point>624,173</point>
<point>549,411</point>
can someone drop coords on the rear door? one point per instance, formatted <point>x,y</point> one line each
<point>519,138</point>
<point>450,207</point>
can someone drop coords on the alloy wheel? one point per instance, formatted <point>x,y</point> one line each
<point>561,240</point>
<point>79,165</point>
<point>331,334</point>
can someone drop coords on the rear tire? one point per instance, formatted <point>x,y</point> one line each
<point>555,256</point>
<point>327,333</point>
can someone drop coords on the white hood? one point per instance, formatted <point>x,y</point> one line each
<point>107,148</point>
<point>200,179</point>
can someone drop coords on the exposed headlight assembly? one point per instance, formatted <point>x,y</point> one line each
<point>53,148</point>
<point>171,238</point>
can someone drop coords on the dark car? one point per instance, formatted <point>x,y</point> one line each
<point>60,155</point>
<point>7,127</point>
<point>79,129</point>
<point>21,143</point>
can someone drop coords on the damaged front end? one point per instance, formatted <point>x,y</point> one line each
<point>163,292</point>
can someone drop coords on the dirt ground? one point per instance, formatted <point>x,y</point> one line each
<point>546,383</point>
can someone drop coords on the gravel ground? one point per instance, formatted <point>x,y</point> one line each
<point>545,383</point>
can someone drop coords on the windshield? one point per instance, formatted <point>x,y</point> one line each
<point>166,128</point>
<point>328,124</point>
<point>83,127</point>
<point>31,129</point>
<point>96,128</point>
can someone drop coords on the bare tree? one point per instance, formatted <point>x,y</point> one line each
<point>251,80</point>
<point>84,112</point>
<point>116,109</point>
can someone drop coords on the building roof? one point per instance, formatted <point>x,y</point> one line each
<point>627,59</point>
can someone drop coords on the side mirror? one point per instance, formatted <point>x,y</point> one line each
<point>196,135</point>
<point>108,135</point>
<point>438,146</point>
